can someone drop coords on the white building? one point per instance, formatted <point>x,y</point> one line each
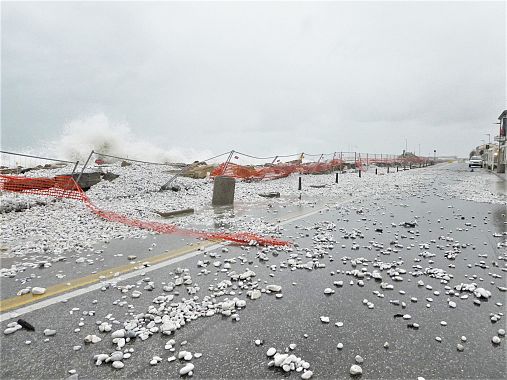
<point>502,149</point>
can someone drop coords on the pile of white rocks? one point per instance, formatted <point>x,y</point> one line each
<point>289,362</point>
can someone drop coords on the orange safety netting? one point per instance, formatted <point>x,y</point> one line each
<point>66,187</point>
<point>359,165</point>
<point>275,171</point>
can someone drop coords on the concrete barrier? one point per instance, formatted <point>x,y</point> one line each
<point>87,180</point>
<point>223,191</point>
<point>171,214</point>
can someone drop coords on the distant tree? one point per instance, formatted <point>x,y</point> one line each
<point>472,153</point>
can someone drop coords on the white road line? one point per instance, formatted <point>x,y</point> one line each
<point>90,288</point>
<point>78,292</point>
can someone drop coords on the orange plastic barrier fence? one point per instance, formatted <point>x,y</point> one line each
<point>66,187</point>
<point>274,171</point>
<point>281,170</point>
<point>61,186</point>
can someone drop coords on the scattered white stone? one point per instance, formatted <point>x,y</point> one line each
<point>355,370</point>
<point>49,332</point>
<point>92,339</point>
<point>186,369</point>
<point>482,293</point>
<point>37,290</point>
<point>118,365</point>
<point>254,294</point>
<point>12,329</point>
<point>274,288</point>
<point>324,319</point>
<point>118,334</point>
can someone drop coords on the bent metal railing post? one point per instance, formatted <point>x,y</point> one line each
<point>84,166</point>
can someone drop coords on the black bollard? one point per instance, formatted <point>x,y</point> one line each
<point>388,170</point>
<point>397,168</point>
<point>376,172</point>
<point>336,179</point>
<point>299,187</point>
<point>359,173</point>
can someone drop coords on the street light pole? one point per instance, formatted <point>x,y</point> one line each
<point>489,137</point>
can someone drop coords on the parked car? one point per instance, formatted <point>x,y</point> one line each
<point>475,161</point>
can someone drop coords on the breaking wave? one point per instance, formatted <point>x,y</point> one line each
<point>103,135</point>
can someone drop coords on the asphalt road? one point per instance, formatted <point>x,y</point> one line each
<point>228,346</point>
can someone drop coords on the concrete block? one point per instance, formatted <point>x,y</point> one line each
<point>223,191</point>
<point>171,214</point>
<point>87,180</point>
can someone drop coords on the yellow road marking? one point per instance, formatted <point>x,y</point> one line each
<point>25,299</point>
<point>18,301</point>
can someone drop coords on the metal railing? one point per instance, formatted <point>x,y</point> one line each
<point>351,158</point>
<point>33,159</point>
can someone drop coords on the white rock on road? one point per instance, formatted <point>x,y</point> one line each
<point>274,288</point>
<point>355,370</point>
<point>37,290</point>
<point>186,369</point>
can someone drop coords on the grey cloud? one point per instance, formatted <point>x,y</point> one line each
<point>259,77</point>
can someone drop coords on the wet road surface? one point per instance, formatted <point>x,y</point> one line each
<point>228,346</point>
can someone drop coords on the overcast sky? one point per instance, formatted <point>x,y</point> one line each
<point>263,78</point>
